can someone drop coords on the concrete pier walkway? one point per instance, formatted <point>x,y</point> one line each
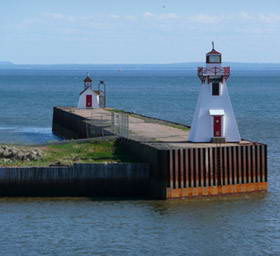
<point>149,130</point>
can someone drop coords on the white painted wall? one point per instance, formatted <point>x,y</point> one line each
<point>202,124</point>
<point>82,99</point>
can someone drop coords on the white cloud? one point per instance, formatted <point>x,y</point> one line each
<point>162,16</point>
<point>148,14</point>
<point>245,15</point>
<point>169,16</point>
<point>172,23</point>
<point>236,18</point>
<point>59,16</point>
<point>271,18</point>
<point>115,16</point>
<point>206,19</point>
<point>200,18</point>
<point>259,18</point>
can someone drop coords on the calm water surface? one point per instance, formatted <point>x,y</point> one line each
<point>239,226</point>
<point>247,225</point>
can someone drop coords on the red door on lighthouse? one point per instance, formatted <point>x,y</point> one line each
<point>88,101</point>
<point>217,126</point>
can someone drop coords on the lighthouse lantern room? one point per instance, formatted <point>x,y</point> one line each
<point>90,98</point>
<point>214,119</point>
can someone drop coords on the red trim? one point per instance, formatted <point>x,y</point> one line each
<point>88,101</point>
<point>87,80</point>
<point>214,52</point>
<point>217,125</point>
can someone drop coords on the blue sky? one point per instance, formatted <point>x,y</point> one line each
<point>145,31</point>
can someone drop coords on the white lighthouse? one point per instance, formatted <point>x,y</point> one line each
<point>90,98</point>
<point>214,119</point>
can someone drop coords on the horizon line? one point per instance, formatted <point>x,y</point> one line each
<point>171,63</point>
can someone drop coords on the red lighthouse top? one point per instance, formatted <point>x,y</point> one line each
<point>87,79</point>
<point>213,57</point>
<point>87,82</point>
<point>213,70</point>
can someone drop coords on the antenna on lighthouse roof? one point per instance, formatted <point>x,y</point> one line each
<point>213,46</point>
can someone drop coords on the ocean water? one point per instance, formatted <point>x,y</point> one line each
<point>246,225</point>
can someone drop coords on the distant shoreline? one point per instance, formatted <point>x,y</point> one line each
<point>124,67</point>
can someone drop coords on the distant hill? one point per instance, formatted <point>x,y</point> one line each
<point>6,63</point>
<point>233,65</point>
<point>191,66</point>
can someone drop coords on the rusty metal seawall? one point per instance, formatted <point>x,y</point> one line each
<point>205,171</point>
<point>216,171</point>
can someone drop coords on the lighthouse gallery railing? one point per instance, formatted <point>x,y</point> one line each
<point>204,72</point>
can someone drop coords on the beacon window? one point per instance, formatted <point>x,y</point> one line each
<point>215,89</point>
<point>215,59</point>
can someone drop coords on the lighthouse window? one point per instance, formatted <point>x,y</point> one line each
<point>214,59</point>
<point>215,89</point>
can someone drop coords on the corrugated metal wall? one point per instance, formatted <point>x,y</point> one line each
<point>217,166</point>
<point>119,179</point>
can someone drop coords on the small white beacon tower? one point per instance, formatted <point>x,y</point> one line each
<point>214,119</point>
<point>90,98</point>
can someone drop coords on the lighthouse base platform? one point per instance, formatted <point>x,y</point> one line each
<point>178,169</point>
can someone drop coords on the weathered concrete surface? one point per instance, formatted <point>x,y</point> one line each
<point>139,127</point>
<point>156,132</point>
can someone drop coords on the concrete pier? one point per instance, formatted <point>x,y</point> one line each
<point>178,169</point>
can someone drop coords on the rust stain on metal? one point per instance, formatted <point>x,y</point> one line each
<point>215,171</point>
<point>216,190</point>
